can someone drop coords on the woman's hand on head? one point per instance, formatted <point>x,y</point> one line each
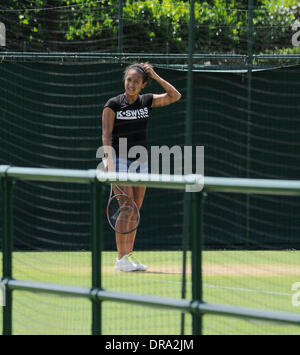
<point>149,70</point>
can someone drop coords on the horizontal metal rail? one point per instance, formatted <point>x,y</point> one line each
<point>181,305</point>
<point>252,186</point>
<point>49,288</point>
<point>124,56</point>
<point>220,184</point>
<point>100,55</point>
<point>276,56</point>
<point>85,176</point>
<point>42,174</point>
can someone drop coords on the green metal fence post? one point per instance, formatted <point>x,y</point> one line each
<point>96,215</point>
<point>249,108</point>
<point>197,247</point>
<point>7,185</point>
<point>120,27</point>
<point>188,142</point>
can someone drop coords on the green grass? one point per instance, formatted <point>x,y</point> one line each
<point>256,279</point>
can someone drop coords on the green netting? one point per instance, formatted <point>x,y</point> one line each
<point>51,117</point>
<point>59,67</point>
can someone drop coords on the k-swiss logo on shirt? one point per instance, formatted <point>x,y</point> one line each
<point>133,114</point>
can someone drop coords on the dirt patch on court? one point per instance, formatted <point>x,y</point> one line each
<point>233,270</point>
<point>208,270</point>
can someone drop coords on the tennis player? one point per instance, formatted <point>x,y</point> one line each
<point>126,116</point>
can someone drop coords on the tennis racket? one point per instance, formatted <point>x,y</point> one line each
<point>122,212</point>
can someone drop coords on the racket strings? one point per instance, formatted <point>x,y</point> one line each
<point>123,214</point>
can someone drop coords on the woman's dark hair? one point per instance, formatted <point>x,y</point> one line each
<point>138,67</point>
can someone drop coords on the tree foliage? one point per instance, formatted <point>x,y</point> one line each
<point>152,26</point>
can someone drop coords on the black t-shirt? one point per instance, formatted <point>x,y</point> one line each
<point>131,120</point>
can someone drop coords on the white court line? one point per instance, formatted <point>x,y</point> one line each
<point>250,290</point>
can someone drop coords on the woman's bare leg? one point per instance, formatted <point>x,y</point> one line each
<point>139,194</point>
<point>125,242</point>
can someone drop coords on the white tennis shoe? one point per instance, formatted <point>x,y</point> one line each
<point>141,267</point>
<point>128,264</point>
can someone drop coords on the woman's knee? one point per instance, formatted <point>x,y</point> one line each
<point>139,194</point>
